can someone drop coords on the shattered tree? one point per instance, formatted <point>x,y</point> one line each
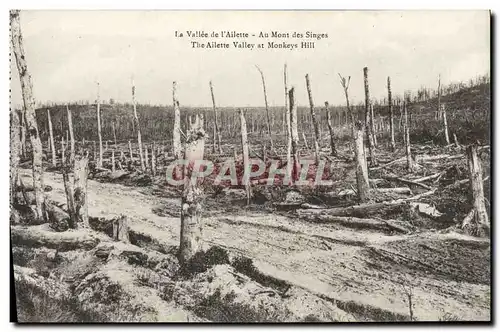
<point>192,195</point>
<point>29,107</point>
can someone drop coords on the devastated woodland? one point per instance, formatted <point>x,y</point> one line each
<point>399,229</point>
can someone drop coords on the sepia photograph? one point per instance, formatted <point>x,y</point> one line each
<point>235,166</point>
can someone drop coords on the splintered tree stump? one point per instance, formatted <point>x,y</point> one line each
<point>217,134</point>
<point>314,121</point>
<point>120,229</point>
<point>330,129</point>
<point>391,114</point>
<point>294,135</point>
<point>192,195</point>
<point>138,127</point>
<point>246,160</point>
<point>368,128</point>
<point>478,224</point>
<point>361,165</point>
<point>81,173</point>
<point>176,145</point>
<point>288,127</point>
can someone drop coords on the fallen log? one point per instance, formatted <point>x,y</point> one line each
<point>59,219</point>
<point>426,158</point>
<point>355,222</point>
<point>364,209</point>
<point>388,164</point>
<point>399,190</point>
<point>409,182</point>
<point>42,236</point>
<point>429,177</point>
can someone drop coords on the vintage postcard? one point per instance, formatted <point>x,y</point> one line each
<point>250,166</point>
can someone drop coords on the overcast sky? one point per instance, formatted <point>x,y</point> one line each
<point>68,51</point>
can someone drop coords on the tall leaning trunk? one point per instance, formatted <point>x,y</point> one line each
<point>391,114</point>
<point>294,134</point>
<point>288,127</point>
<point>314,121</point>
<point>246,159</point>
<point>268,117</point>
<point>330,129</point>
<point>99,132</point>
<point>137,125</point>
<point>369,133</point>
<point>29,106</point>
<point>216,120</point>
<point>192,195</point>
<point>22,120</point>
<point>177,148</point>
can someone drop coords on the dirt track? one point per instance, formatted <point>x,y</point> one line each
<point>366,271</point>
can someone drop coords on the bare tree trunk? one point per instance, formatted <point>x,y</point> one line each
<point>445,123</point>
<point>191,221</point>
<point>99,133</point>
<point>63,152</point>
<point>70,198</point>
<point>391,114</point>
<point>71,136</point>
<point>153,162</point>
<point>314,121</point>
<point>137,125</point>
<point>130,151</point>
<point>246,159</point>
<point>409,160</point>
<point>456,140</point>
<point>372,122</point>
<point>369,133</point>
<point>438,109</point>
<point>121,229</point>
<point>267,108</point>
<point>51,140</point>
<point>114,133</point>
<point>479,224</point>
<point>216,120</point>
<point>81,173</point>
<point>177,148</point>
<point>289,165</point>
<point>305,141</point>
<point>361,165</point>
<point>113,169</point>
<point>146,158</point>
<point>14,154</point>
<point>294,134</point>
<point>23,131</point>
<point>29,106</point>
<point>330,128</point>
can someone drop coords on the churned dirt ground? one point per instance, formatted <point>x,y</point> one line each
<point>368,273</point>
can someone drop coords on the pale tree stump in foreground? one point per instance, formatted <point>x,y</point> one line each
<point>476,223</point>
<point>80,190</point>
<point>361,165</point>
<point>192,195</point>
